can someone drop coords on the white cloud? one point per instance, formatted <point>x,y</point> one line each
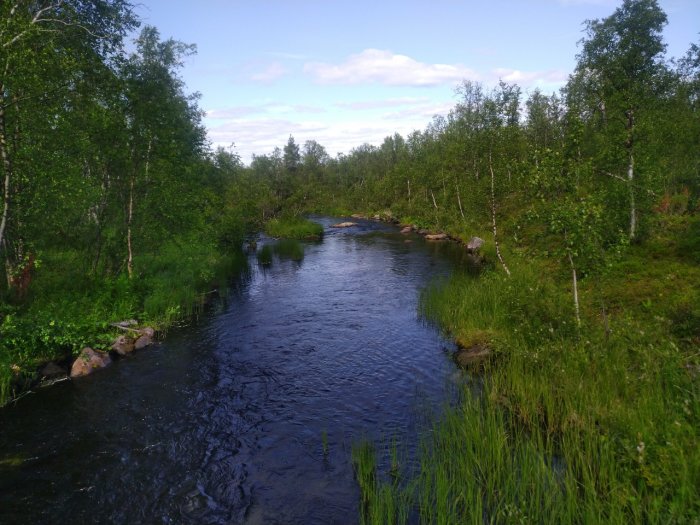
<point>380,104</point>
<point>261,136</point>
<point>269,108</point>
<point>530,78</point>
<point>287,56</point>
<point>272,72</point>
<point>422,113</point>
<point>235,112</point>
<point>384,67</point>
<point>587,2</point>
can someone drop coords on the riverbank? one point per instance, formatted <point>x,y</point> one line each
<point>70,310</point>
<point>574,424</point>
<point>248,413</point>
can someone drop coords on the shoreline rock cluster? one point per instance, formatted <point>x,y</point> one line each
<point>90,360</point>
<point>472,246</point>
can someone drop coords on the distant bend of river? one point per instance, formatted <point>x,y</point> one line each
<point>247,415</point>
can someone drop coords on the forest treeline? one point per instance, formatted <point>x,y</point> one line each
<point>111,196</point>
<point>115,206</point>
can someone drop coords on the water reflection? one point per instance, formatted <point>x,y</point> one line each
<point>247,416</point>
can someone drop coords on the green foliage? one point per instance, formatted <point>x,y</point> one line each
<point>572,427</point>
<point>526,306</point>
<point>293,228</point>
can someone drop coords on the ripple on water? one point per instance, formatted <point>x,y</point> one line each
<point>249,415</point>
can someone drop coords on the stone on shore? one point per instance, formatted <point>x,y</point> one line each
<point>150,332</point>
<point>475,244</point>
<point>123,345</point>
<point>406,229</point>
<point>473,356</point>
<point>126,324</point>
<point>145,339</point>
<point>52,371</point>
<point>436,237</point>
<point>88,361</point>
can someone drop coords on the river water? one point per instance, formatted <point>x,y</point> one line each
<point>248,414</point>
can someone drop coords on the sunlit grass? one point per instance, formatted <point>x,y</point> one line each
<point>293,228</point>
<point>597,424</point>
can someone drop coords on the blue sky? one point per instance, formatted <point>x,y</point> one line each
<point>345,73</point>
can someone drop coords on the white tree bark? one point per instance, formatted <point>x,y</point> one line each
<point>633,207</point>
<point>130,216</point>
<point>575,287</point>
<point>7,169</point>
<point>433,196</point>
<point>459,201</point>
<point>493,218</point>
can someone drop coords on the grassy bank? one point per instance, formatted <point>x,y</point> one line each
<point>590,424</point>
<point>293,228</point>
<point>70,307</point>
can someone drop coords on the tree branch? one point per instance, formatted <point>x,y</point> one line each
<point>627,181</point>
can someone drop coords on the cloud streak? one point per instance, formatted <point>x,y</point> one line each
<point>381,104</point>
<point>272,72</point>
<point>529,78</point>
<point>377,66</point>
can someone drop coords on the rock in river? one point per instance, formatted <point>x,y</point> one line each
<point>343,225</point>
<point>88,361</point>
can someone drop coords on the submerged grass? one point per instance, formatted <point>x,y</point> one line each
<point>597,424</point>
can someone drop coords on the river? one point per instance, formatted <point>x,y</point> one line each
<point>249,413</point>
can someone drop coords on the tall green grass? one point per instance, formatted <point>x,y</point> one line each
<point>592,425</point>
<point>293,228</point>
<point>70,308</point>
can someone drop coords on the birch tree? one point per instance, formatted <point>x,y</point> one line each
<point>619,67</point>
<point>47,50</point>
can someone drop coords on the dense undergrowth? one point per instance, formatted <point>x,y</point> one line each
<point>70,307</point>
<point>590,424</point>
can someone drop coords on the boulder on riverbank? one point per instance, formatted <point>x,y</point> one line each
<point>407,229</point>
<point>475,244</point>
<point>145,338</point>
<point>344,225</point>
<point>51,371</point>
<point>472,357</point>
<point>123,345</point>
<point>436,237</point>
<point>88,361</point>
<point>126,324</point>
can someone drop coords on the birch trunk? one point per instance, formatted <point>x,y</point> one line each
<point>574,280</point>
<point>459,201</point>
<point>130,216</point>
<point>7,168</point>
<point>633,207</point>
<point>629,144</point>
<point>433,196</point>
<point>493,218</point>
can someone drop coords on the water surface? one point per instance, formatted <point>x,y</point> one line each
<point>248,414</point>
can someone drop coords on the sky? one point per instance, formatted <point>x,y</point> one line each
<point>347,73</point>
